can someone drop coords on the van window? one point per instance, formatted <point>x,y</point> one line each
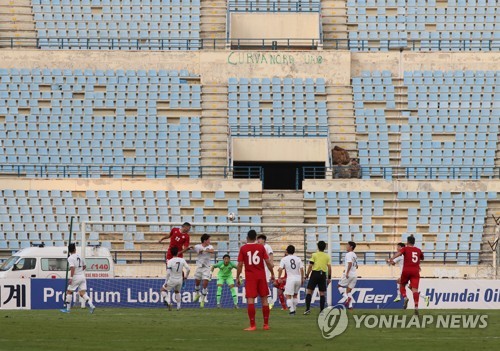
<point>9,263</point>
<point>54,264</point>
<point>97,264</point>
<point>25,264</point>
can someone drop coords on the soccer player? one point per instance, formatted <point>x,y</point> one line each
<point>398,261</point>
<point>76,280</point>
<point>225,276</point>
<point>280,284</point>
<point>411,270</point>
<point>203,273</point>
<point>321,268</point>
<point>179,238</point>
<point>261,239</point>
<point>349,277</point>
<point>175,276</point>
<point>254,256</point>
<point>294,269</point>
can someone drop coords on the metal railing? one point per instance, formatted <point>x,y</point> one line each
<point>119,171</point>
<point>413,173</point>
<point>258,6</point>
<point>279,131</point>
<point>245,43</point>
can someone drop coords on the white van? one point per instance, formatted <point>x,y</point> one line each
<point>51,262</point>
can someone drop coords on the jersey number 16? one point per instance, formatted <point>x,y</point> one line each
<point>253,259</point>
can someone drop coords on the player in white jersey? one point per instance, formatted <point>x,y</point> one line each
<point>261,239</point>
<point>294,269</point>
<point>398,262</point>
<point>203,265</point>
<point>349,277</point>
<point>175,268</point>
<point>77,280</point>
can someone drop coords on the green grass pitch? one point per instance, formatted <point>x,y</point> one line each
<point>212,329</point>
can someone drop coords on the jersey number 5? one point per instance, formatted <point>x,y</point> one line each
<point>414,257</point>
<point>253,259</point>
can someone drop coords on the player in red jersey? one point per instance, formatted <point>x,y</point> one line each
<point>179,238</point>
<point>279,284</point>
<point>253,256</point>
<point>411,270</point>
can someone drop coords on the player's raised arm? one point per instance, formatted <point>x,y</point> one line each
<point>400,253</point>
<point>188,270</point>
<point>165,237</point>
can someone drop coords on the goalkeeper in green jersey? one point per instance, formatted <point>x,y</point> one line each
<point>225,275</point>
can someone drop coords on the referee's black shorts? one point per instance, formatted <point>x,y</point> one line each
<point>318,278</point>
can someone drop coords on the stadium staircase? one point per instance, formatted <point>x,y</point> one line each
<point>334,22</point>
<point>339,103</point>
<point>213,23</point>
<point>214,132</point>
<point>283,206</point>
<point>16,21</point>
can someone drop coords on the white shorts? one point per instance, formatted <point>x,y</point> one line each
<point>292,286</point>
<point>203,273</point>
<point>78,282</point>
<point>170,284</point>
<point>348,282</point>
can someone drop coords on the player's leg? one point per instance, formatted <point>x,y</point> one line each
<point>398,296</point>
<point>83,294</point>
<point>322,291</point>
<point>289,291</point>
<point>251,294</point>
<point>350,286</point>
<point>415,282</point>
<point>263,291</point>
<point>342,286</point>
<point>402,288</point>
<point>205,276</point>
<point>197,282</point>
<point>219,293</point>
<point>163,293</point>
<point>311,285</point>
<point>232,289</point>
<point>67,301</point>
<point>177,297</point>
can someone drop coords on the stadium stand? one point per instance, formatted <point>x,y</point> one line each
<point>57,118</point>
<point>124,25</point>
<point>448,129</point>
<point>449,225</point>
<point>277,107</point>
<point>452,25</point>
<point>34,217</point>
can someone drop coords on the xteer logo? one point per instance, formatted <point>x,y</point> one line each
<point>332,321</point>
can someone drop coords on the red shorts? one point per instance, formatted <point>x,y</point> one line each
<point>256,288</point>
<point>412,276</point>
<point>280,286</point>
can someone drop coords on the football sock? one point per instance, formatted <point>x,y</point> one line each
<point>416,296</point>
<point>399,292</point>
<point>282,300</point>
<point>178,299</point>
<point>69,297</point>
<point>87,299</point>
<point>163,295</point>
<point>265,314</point>
<point>219,294</point>
<point>234,295</point>
<point>204,292</point>
<point>295,302</point>
<point>350,302</point>
<point>322,300</point>
<point>251,314</point>
<point>422,295</point>
<point>402,289</point>
<point>197,289</point>
<point>308,301</point>
<point>289,303</point>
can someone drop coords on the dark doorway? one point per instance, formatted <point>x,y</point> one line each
<point>280,175</point>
